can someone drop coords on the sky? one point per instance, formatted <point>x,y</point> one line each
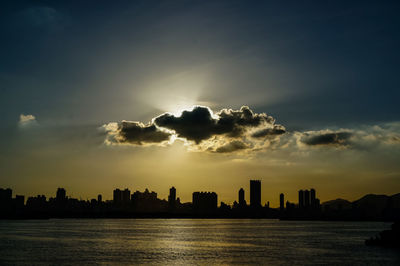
<point>200,95</point>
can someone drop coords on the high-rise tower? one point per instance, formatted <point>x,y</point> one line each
<point>242,202</point>
<point>282,201</point>
<point>307,198</point>
<point>255,193</point>
<point>301,199</point>
<point>172,197</point>
<point>313,200</point>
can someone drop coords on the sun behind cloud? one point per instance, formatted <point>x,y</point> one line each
<point>224,131</point>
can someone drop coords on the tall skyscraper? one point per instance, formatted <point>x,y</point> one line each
<point>172,197</point>
<point>307,198</point>
<point>242,201</point>
<point>282,201</point>
<point>255,193</point>
<point>99,198</point>
<point>313,201</point>
<point>301,199</point>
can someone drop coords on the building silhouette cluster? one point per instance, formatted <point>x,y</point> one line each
<point>308,206</point>
<point>307,199</point>
<point>121,197</point>
<point>204,204</point>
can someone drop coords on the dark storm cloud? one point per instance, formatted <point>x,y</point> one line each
<point>334,138</point>
<point>195,125</point>
<point>199,124</point>
<point>138,133</point>
<point>232,147</point>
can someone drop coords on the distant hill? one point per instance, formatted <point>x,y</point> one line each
<point>370,206</point>
<point>337,204</point>
<point>395,203</point>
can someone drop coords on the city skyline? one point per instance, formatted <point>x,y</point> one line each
<point>204,204</point>
<point>306,198</point>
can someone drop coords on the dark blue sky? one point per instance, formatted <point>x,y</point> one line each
<point>308,64</point>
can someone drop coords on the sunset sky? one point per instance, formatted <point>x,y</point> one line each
<point>302,95</point>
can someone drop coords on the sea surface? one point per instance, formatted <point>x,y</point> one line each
<point>190,241</point>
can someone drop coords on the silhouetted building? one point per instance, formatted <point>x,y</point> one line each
<point>99,198</point>
<point>126,196</point>
<point>145,196</point>
<point>290,206</point>
<point>5,201</point>
<point>224,208</point>
<point>61,195</point>
<point>121,196</point>
<point>146,201</point>
<point>301,199</point>
<point>307,198</point>
<point>312,198</point>
<point>5,194</point>
<point>19,201</point>
<point>117,196</point>
<point>282,201</point>
<point>37,203</point>
<point>204,201</point>
<point>255,193</point>
<point>172,198</point>
<point>60,200</point>
<point>242,201</point>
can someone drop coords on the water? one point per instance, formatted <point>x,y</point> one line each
<point>190,241</point>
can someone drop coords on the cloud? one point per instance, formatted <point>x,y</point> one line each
<point>201,124</point>
<point>244,131</point>
<point>393,140</point>
<point>225,131</point>
<point>367,137</point>
<point>276,130</point>
<point>197,124</point>
<point>330,138</point>
<point>27,120</point>
<point>135,133</point>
